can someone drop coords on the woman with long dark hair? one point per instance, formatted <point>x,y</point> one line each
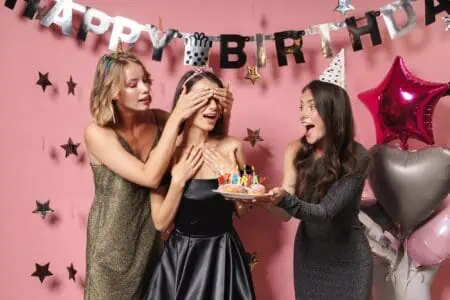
<point>324,174</point>
<point>203,257</point>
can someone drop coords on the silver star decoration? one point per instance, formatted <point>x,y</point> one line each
<point>344,6</point>
<point>446,22</point>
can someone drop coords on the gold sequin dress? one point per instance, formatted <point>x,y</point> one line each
<point>122,242</point>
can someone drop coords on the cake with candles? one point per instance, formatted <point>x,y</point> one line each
<point>242,183</point>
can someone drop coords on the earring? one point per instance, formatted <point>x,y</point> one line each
<point>113,114</point>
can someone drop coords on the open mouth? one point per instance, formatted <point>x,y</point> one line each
<point>308,128</point>
<point>210,116</point>
<point>146,99</point>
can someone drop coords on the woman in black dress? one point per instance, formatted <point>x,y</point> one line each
<point>203,257</point>
<point>324,174</point>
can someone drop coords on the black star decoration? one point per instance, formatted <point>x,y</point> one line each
<point>253,137</point>
<point>43,81</point>
<point>43,208</point>
<point>70,148</point>
<point>72,272</point>
<point>71,85</point>
<point>42,272</point>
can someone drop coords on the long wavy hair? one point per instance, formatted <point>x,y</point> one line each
<point>109,79</point>
<point>188,80</point>
<point>339,147</point>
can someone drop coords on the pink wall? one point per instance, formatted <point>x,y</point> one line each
<point>35,124</point>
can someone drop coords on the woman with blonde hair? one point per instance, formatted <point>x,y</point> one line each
<point>129,146</point>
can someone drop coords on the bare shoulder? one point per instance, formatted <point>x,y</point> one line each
<point>292,148</point>
<point>229,142</point>
<point>95,132</point>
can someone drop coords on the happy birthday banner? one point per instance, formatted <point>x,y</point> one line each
<point>198,45</point>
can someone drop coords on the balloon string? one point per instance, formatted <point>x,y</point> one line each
<point>404,143</point>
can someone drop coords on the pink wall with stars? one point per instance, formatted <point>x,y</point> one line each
<point>36,123</point>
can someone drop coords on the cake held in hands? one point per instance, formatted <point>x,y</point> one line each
<point>236,183</point>
<point>257,189</point>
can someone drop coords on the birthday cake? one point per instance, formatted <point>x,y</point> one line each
<point>237,183</point>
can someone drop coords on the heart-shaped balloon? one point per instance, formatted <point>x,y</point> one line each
<point>429,245</point>
<point>409,184</point>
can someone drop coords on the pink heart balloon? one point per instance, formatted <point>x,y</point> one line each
<point>430,244</point>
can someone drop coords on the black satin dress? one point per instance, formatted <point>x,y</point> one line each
<point>203,258</point>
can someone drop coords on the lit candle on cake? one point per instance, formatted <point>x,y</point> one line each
<point>235,178</point>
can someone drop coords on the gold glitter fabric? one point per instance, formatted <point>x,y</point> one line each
<point>122,242</point>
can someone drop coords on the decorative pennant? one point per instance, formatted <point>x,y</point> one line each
<point>86,25</point>
<point>160,43</point>
<point>387,12</point>
<point>335,73</point>
<point>42,272</point>
<point>238,50</point>
<point>41,11</point>
<point>129,31</point>
<point>431,11</point>
<point>253,136</point>
<point>323,30</point>
<point>43,81</point>
<point>446,22</point>
<point>260,51</point>
<point>71,147</point>
<point>344,6</point>
<point>29,10</point>
<point>118,35</point>
<point>60,14</point>
<point>72,272</point>
<point>83,27</point>
<point>295,49</point>
<point>43,209</point>
<point>371,28</point>
<point>71,86</point>
<point>196,49</point>
<point>252,74</point>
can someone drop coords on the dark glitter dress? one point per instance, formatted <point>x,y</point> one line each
<point>332,257</point>
<point>122,242</point>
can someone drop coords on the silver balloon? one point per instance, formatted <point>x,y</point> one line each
<point>100,28</point>
<point>260,51</point>
<point>388,15</point>
<point>409,185</point>
<point>117,33</point>
<point>53,16</point>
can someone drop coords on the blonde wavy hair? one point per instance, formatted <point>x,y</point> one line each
<point>108,82</point>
